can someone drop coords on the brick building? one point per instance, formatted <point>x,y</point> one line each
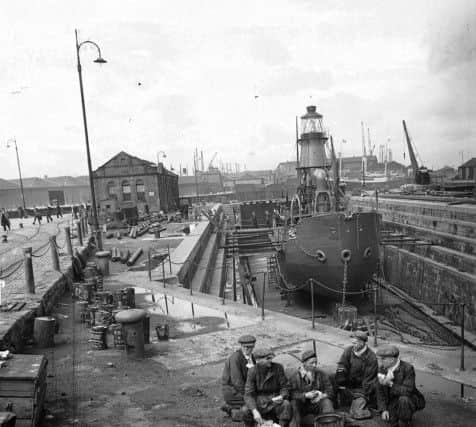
<point>126,184</point>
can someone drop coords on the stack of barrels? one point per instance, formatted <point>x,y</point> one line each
<point>97,308</point>
<point>98,337</point>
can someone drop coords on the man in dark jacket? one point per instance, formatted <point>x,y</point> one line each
<point>397,396</point>
<point>356,375</point>
<point>267,392</point>
<point>311,390</point>
<point>234,377</point>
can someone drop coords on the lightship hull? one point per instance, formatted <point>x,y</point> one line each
<point>319,249</point>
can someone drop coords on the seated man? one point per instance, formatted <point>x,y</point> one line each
<point>234,377</point>
<point>311,390</point>
<point>357,375</point>
<point>267,392</point>
<point>397,396</point>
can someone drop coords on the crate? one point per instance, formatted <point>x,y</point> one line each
<point>23,388</point>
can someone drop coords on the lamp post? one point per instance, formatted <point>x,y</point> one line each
<point>19,172</point>
<point>99,60</point>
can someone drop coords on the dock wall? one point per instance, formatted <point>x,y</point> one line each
<point>17,326</point>
<point>430,281</point>
<point>197,249</point>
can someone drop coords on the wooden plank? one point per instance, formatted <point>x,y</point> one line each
<point>22,375</point>
<point>23,367</point>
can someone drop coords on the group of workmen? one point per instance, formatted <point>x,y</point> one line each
<point>255,388</point>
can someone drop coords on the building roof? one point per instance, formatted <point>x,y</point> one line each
<point>471,163</point>
<point>123,153</point>
<point>8,185</point>
<point>46,182</point>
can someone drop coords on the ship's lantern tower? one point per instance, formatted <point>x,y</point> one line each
<point>313,140</point>
<point>314,188</point>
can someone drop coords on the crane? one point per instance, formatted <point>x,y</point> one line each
<point>421,174</point>
<point>210,165</point>
<point>371,147</point>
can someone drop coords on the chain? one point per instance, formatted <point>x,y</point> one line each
<point>46,245</point>
<point>15,269</point>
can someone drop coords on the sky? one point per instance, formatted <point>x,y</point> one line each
<point>230,78</point>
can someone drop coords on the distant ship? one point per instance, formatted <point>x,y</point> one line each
<point>322,241</point>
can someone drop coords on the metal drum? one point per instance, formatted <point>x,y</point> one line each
<point>118,337</point>
<point>92,281</point>
<point>86,292</point>
<point>80,311</point>
<point>329,420</point>
<point>129,297</point>
<point>91,270</point>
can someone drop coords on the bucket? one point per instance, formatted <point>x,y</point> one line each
<point>162,332</point>
<point>329,420</point>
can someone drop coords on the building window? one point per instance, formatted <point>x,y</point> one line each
<point>140,190</point>
<point>111,190</point>
<point>126,191</point>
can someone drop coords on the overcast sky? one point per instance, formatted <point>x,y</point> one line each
<point>230,77</point>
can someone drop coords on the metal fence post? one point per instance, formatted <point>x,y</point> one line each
<point>170,261</point>
<point>80,232</point>
<point>69,248</point>
<point>234,278</point>
<point>28,266</point>
<point>262,296</point>
<point>54,253</point>
<point>163,272</point>
<point>462,346</point>
<point>148,265</point>
<point>312,305</point>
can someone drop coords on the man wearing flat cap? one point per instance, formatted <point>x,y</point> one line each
<point>267,392</point>
<point>234,377</point>
<point>397,396</point>
<point>356,375</point>
<point>311,390</point>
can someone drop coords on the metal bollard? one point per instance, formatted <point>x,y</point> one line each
<point>54,253</point>
<point>80,232</point>
<point>28,266</point>
<point>69,248</point>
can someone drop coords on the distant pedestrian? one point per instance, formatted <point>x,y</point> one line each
<point>59,211</point>
<point>5,220</point>
<point>37,216</point>
<point>21,212</point>
<point>48,214</point>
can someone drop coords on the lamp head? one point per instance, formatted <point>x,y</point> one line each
<point>100,60</point>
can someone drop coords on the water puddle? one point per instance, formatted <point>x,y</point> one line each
<point>187,317</point>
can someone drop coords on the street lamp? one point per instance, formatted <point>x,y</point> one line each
<point>19,172</point>
<point>99,60</point>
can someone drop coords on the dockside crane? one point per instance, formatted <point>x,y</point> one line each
<point>421,175</point>
<point>210,165</point>
<point>371,147</point>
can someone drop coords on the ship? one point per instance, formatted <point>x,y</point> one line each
<point>322,242</point>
